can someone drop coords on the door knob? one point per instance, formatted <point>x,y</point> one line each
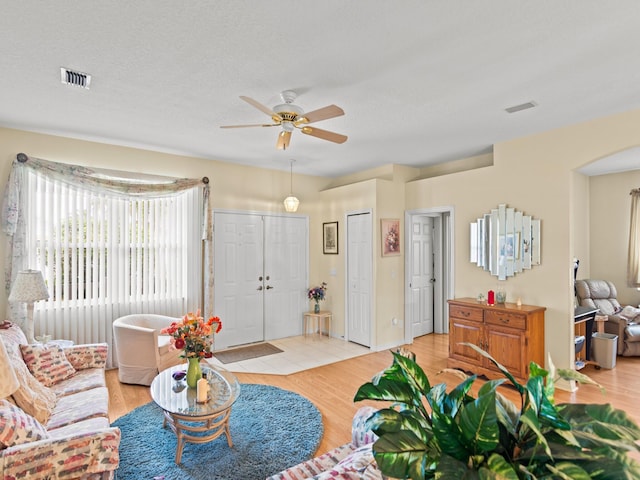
<point>260,278</point>
<point>259,288</point>
<point>269,287</point>
<point>267,277</point>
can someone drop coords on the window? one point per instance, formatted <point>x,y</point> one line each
<point>107,244</point>
<point>133,253</point>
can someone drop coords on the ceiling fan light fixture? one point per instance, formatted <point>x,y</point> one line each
<point>291,203</point>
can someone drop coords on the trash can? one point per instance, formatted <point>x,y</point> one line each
<point>604,348</point>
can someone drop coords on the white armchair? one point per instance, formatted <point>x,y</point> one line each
<point>140,349</point>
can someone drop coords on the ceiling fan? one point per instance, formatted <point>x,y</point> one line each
<point>289,116</point>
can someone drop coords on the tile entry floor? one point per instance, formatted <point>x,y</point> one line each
<point>298,353</point>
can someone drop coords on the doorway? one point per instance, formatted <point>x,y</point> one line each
<point>359,259</point>
<point>428,270</point>
<point>260,276</point>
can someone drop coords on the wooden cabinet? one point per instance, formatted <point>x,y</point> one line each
<point>513,335</point>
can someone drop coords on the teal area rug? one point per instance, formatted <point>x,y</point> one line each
<point>271,429</point>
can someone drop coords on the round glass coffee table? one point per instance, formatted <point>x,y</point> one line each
<point>191,421</point>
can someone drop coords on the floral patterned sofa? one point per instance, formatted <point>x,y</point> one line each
<point>56,424</point>
<point>352,460</point>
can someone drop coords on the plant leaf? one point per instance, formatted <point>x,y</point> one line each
<point>449,436</point>
<point>500,468</point>
<point>388,420</point>
<point>530,419</point>
<point>413,372</point>
<point>458,396</point>
<point>568,374</point>
<point>479,423</point>
<point>386,390</point>
<point>449,467</point>
<point>401,455</point>
<point>606,421</point>
<point>568,471</point>
<point>504,371</point>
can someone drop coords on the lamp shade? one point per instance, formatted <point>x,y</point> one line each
<point>29,287</point>
<point>291,204</point>
<point>8,380</point>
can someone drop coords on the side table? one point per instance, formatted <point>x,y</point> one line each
<point>319,318</point>
<point>600,319</point>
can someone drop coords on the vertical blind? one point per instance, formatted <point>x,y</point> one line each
<point>104,256</point>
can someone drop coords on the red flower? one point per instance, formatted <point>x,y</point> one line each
<point>193,335</point>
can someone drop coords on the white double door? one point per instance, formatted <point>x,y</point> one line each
<point>260,276</point>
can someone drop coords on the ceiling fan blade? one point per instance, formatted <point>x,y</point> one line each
<point>325,113</point>
<point>324,134</point>
<point>283,140</point>
<point>260,106</point>
<point>254,125</point>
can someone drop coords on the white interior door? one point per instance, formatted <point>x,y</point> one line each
<point>359,271</point>
<point>238,286</point>
<point>260,276</point>
<point>422,275</point>
<point>285,271</point>
<point>442,249</point>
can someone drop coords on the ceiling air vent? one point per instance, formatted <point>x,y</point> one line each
<point>522,106</point>
<point>79,79</point>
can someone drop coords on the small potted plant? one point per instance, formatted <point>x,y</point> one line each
<point>428,433</point>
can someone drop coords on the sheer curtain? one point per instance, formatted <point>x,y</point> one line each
<point>108,244</point>
<point>633,263</point>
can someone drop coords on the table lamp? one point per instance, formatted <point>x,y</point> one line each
<point>8,380</point>
<point>29,287</point>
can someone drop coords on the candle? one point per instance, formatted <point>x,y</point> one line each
<point>491,297</point>
<point>202,389</point>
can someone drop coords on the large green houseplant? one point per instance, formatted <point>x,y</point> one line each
<point>428,433</point>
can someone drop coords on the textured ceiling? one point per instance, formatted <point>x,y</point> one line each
<point>421,82</point>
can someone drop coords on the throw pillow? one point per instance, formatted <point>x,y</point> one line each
<point>16,427</point>
<point>47,363</point>
<point>32,396</point>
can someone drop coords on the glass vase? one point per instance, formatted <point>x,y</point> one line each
<point>316,308</point>
<point>194,373</point>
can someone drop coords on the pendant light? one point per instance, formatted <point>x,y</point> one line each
<point>291,203</point>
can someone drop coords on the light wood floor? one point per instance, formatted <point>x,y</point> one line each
<point>331,388</point>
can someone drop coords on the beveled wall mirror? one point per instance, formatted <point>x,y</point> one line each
<point>505,242</point>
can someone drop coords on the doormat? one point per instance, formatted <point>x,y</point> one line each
<point>245,353</point>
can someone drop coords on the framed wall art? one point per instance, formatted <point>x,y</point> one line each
<point>330,238</point>
<point>390,236</point>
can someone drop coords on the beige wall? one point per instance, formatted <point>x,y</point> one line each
<point>232,186</point>
<point>535,175</point>
<point>336,204</point>
<point>610,213</point>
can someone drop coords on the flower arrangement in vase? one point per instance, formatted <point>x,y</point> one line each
<point>194,336</point>
<point>317,294</point>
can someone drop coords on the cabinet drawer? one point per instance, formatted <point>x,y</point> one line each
<point>468,313</point>
<point>506,319</point>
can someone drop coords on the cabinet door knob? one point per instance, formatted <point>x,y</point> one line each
<point>259,288</point>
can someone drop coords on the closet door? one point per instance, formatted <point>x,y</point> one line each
<point>238,278</point>
<point>359,269</point>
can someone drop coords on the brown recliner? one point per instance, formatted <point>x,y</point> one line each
<point>602,294</point>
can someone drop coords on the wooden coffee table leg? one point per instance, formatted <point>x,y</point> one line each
<point>179,446</point>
